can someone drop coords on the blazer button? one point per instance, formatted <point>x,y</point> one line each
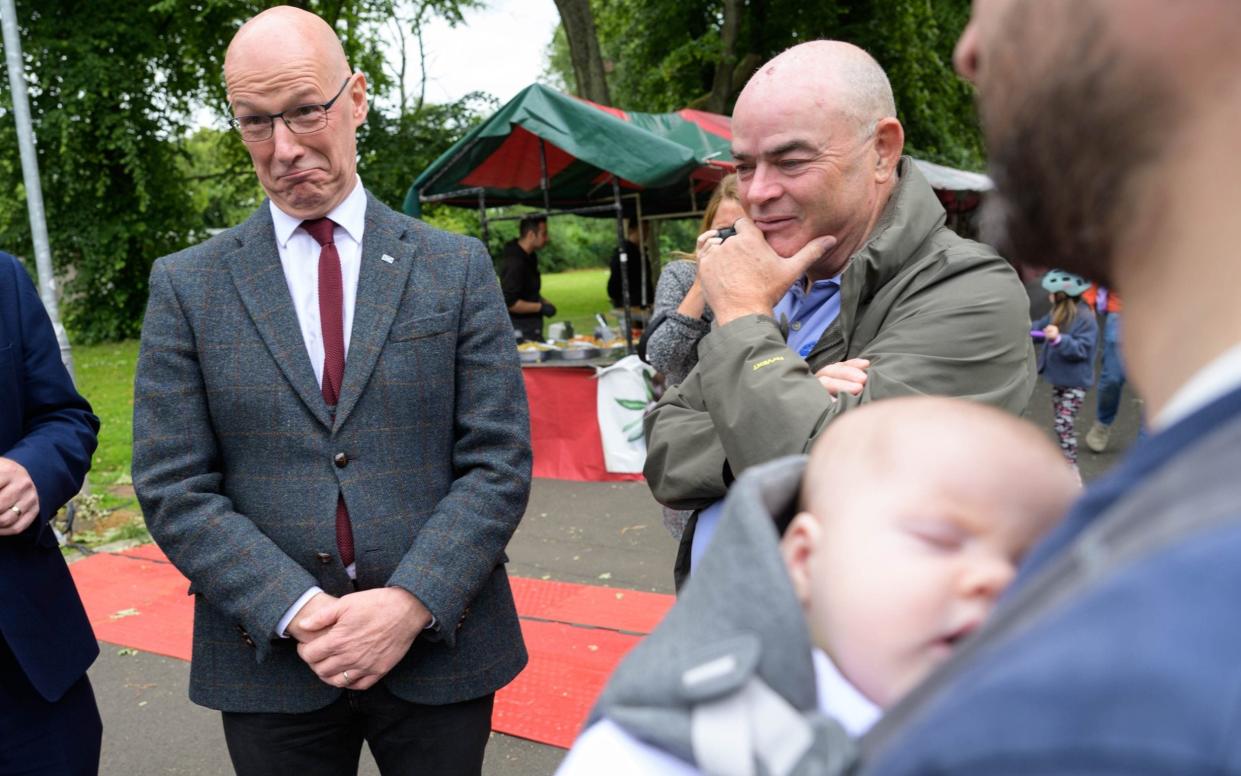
<point>323,558</point>
<point>341,460</point>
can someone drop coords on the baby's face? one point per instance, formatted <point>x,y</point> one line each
<point>903,569</point>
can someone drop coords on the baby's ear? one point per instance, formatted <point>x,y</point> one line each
<point>797,547</point>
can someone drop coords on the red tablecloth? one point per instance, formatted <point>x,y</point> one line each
<point>564,425</point>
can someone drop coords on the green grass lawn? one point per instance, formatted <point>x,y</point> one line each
<point>106,378</point>
<point>578,295</point>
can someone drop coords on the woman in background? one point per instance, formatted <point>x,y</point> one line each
<point>680,317</point>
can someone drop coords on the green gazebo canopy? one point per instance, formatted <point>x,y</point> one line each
<point>672,160</point>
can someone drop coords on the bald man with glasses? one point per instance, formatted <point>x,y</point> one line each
<point>331,442</point>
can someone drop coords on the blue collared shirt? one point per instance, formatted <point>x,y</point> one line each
<point>807,314</point>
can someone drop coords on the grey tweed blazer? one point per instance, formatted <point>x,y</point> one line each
<point>238,461</point>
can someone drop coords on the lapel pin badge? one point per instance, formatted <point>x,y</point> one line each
<point>387,259</point>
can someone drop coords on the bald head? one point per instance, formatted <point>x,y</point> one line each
<point>817,147</point>
<point>837,76</point>
<point>279,35</point>
<point>898,442</point>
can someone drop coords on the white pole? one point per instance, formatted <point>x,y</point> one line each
<point>30,174</point>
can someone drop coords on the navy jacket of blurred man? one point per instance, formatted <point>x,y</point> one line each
<point>331,442</point>
<point>48,720</point>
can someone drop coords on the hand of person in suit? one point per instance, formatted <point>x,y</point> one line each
<point>296,628</point>
<point>19,501</point>
<point>367,633</point>
<point>844,376</point>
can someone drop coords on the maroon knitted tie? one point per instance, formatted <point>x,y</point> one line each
<point>331,318</point>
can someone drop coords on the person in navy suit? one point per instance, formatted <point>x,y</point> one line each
<point>49,723</point>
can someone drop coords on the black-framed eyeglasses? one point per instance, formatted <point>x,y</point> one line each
<point>301,120</point>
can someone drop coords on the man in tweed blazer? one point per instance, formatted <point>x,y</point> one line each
<point>244,468</point>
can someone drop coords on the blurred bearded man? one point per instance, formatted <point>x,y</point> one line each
<point>1112,129</point>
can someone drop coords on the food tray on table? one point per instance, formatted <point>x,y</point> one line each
<point>573,354</point>
<point>534,352</point>
<point>579,351</point>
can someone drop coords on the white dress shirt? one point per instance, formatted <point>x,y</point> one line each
<point>607,749</point>
<point>299,256</point>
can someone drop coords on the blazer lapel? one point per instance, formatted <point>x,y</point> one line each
<point>259,277</point>
<point>386,263</point>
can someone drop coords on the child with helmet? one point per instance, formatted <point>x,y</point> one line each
<point>1066,360</point>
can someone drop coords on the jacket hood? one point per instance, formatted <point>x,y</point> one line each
<point>737,620</point>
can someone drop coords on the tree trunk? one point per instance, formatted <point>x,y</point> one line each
<point>723,87</point>
<point>579,30</point>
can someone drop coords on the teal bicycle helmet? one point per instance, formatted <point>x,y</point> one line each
<point>1059,280</point>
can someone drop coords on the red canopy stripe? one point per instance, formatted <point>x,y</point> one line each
<point>720,126</point>
<point>515,163</point>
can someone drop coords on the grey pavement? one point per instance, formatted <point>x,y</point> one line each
<point>607,534</point>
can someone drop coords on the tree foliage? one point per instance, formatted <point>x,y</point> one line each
<point>662,55</point>
<point>578,24</point>
<point>116,92</point>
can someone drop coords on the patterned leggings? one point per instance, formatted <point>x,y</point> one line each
<point>1065,402</point>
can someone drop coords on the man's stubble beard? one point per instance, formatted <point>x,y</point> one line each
<point>1068,148</point>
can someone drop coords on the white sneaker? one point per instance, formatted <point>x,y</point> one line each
<point>1097,437</point>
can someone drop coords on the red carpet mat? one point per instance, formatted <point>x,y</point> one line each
<point>576,634</point>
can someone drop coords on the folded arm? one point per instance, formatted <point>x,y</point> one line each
<point>751,399</point>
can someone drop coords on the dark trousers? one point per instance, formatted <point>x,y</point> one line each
<point>39,737</point>
<point>405,738</point>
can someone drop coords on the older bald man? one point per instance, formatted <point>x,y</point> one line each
<point>842,287</point>
<point>331,443</point>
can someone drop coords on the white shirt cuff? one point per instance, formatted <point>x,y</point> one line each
<point>292,611</point>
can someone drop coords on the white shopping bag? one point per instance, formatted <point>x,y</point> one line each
<point>624,396</point>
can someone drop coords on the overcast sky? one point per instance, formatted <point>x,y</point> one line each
<point>499,50</point>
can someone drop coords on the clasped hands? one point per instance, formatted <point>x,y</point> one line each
<point>742,275</point>
<point>355,640</point>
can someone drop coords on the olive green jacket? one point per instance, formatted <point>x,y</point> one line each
<point>933,312</point>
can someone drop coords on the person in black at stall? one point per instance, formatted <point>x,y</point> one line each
<point>520,279</point>
<point>635,258</point>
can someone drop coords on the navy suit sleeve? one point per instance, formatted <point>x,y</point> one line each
<point>58,433</point>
